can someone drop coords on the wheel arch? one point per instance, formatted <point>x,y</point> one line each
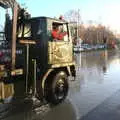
<point>52,72</point>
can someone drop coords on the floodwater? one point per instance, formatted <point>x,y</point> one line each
<point>97,79</point>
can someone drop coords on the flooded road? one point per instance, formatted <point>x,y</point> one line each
<point>96,81</point>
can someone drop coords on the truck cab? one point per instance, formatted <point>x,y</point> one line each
<point>54,58</point>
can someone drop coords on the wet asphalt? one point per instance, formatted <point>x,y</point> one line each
<point>94,95</point>
<point>107,110</point>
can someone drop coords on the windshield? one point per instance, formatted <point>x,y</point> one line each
<point>24,30</point>
<point>30,29</point>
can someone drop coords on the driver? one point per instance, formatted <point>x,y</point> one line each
<point>58,34</point>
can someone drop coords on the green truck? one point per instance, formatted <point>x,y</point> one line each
<point>30,55</point>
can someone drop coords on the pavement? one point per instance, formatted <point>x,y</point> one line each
<point>108,110</point>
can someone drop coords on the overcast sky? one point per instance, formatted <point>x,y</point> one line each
<point>106,12</point>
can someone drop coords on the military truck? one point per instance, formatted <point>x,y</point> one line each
<point>32,56</point>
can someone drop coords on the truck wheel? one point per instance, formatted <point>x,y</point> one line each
<point>57,88</point>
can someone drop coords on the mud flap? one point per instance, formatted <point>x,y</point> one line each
<point>6,90</point>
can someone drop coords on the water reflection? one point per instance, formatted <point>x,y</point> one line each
<point>64,111</point>
<point>97,79</point>
<point>105,57</point>
<point>25,110</point>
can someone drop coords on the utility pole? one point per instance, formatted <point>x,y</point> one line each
<point>78,27</point>
<point>78,17</point>
<point>15,15</point>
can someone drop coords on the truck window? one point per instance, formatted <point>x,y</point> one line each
<point>59,32</point>
<point>66,30</point>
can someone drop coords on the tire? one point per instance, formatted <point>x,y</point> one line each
<point>56,89</point>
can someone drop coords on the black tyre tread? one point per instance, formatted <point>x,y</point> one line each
<point>49,87</point>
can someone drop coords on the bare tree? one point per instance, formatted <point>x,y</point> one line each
<point>93,35</point>
<point>72,16</point>
<point>98,35</point>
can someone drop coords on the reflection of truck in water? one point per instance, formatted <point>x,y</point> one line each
<point>32,56</point>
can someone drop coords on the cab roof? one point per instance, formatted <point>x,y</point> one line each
<point>48,18</point>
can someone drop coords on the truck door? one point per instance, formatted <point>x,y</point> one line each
<point>60,51</point>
